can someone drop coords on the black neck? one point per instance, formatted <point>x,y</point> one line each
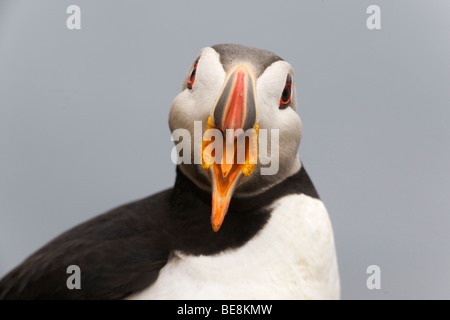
<point>297,183</point>
<point>191,230</point>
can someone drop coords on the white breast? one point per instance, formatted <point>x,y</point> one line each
<point>292,257</point>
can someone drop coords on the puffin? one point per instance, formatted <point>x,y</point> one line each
<point>241,222</point>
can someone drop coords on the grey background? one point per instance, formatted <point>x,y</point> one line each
<point>83,119</point>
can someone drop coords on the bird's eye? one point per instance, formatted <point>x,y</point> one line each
<point>285,99</point>
<point>192,76</point>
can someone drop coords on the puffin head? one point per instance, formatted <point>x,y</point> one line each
<point>237,114</point>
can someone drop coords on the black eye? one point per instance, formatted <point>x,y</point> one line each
<point>192,76</point>
<point>286,95</point>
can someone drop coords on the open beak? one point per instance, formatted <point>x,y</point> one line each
<point>234,114</point>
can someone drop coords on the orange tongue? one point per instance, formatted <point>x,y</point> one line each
<point>225,168</point>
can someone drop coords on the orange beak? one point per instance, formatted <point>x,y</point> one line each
<point>234,115</point>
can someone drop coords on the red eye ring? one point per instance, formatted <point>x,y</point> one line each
<point>286,95</point>
<point>191,79</point>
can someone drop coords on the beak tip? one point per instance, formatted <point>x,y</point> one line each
<point>215,227</point>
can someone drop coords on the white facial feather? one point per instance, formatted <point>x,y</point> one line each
<point>269,88</point>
